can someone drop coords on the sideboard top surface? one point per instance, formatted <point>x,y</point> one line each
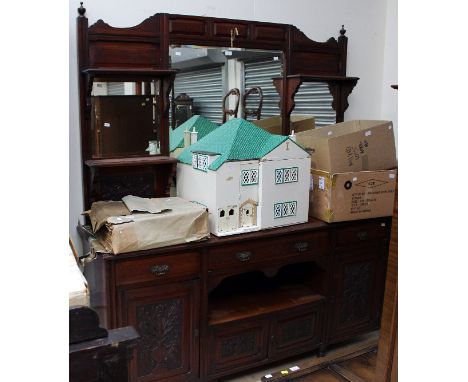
<point>312,225</point>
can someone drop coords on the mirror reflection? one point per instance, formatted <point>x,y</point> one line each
<point>223,83</point>
<point>208,75</point>
<point>314,98</point>
<point>216,83</point>
<point>124,119</point>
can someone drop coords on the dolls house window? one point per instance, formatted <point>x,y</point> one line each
<point>200,162</point>
<point>285,209</point>
<point>279,176</point>
<point>249,177</point>
<point>294,172</point>
<point>286,175</point>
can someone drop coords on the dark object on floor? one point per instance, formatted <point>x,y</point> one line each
<point>95,353</point>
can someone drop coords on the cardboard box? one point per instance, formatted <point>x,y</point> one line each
<point>360,145</point>
<point>336,197</point>
<point>298,123</point>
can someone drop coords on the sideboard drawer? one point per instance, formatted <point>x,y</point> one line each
<point>300,246</point>
<point>362,233</point>
<point>129,271</point>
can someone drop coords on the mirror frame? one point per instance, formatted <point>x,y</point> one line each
<point>145,48</point>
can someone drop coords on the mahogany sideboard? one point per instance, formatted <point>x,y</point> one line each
<point>210,309</point>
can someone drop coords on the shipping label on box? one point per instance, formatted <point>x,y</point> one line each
<point>352,195</point>
<point>359,145</point>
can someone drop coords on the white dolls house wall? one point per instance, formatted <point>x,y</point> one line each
<point>231,194</point>
<point>198,186</point>
<point>292,196</point>
<point>286,150</point>
<point>289,195</point>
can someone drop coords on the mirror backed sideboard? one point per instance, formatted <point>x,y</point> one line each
<point>147,60</point>
<point>230,304</point>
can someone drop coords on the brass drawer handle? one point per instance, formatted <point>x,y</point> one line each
<point>159,270</point>
<point>363,235</point>
<point>301,246</point>
<point>243,256</point>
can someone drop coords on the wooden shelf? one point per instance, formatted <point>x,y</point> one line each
<point>128,73</point>
<point>131,161</point>
<point>310,78</point>
<point>239,306</point>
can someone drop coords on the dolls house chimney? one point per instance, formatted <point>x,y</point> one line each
<point>186,138</point>
<point>193,136</point>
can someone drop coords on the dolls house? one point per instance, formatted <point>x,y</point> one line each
<point>248,178</point>
<point>195,128</point>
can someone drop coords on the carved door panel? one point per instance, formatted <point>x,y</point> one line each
<point>165,317</point>
<point>237,346</point>
<point>359,280</point>
<point>297,331</point>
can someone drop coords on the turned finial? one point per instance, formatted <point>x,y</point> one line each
<point>81,9</point>
<point>342,30</point>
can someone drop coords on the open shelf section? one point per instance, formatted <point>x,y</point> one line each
<point>240,306</point>
<point>253,293</point>
<point>131,161</point>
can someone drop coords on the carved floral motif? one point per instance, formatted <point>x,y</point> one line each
<point>115,187</point>
<point>160,328</point>
<point>356,292</point>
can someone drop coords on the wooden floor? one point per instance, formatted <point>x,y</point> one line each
<point>358,369</point>
<point>349,362</point>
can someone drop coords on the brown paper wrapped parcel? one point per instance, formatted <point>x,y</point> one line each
<point>136,224</point>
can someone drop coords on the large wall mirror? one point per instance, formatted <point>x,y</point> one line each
<point>206,74</point>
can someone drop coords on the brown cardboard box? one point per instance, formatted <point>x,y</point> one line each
<point>298,123</point>
<point>351,195</point>
<point>359,145</point>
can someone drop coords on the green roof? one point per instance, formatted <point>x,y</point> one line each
<point>202,125</point>
<point>236,140</point>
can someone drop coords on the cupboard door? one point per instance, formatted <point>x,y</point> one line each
<point>359,282</point>
<point>165,317</point>
<point>296,331</point>
<point>238,346</point>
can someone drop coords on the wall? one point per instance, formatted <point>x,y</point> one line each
<point>370,36</point>
<point>390,71</point>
